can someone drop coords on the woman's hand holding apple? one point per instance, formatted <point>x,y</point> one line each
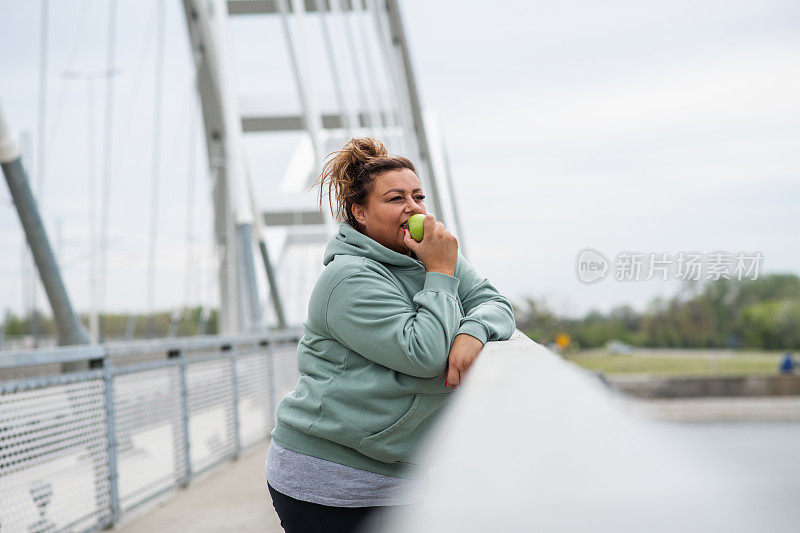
<point>438,249</point>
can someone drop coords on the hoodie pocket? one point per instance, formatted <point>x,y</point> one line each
<point>399,441</point>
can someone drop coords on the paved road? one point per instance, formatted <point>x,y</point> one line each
<point>233,497</point>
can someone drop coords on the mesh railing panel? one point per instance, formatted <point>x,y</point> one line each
<point>254,398</point>
<point>53,457</point>
<point>60,471</point>
<point>211,418</point>
<point>149,429</point>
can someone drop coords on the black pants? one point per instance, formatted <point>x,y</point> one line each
<point>305,517</point>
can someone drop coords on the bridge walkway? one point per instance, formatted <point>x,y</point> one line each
<point>231,497</point>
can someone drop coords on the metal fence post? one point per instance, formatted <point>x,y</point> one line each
<point>236,422</point>
<point>111,432</point>
<point>271,384</point>
<point>185,420</point>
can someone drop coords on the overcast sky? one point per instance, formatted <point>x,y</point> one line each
<point>660,127</point>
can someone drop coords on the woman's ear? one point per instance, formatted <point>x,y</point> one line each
<point>359,213</point>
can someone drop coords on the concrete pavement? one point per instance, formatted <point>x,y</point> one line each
<point>231,497</point>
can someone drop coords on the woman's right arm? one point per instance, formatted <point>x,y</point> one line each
<point>369,314</point>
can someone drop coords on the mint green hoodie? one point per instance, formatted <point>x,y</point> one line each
<point>373,355</point>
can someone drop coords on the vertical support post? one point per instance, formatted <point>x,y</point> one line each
<point>271,384</point>
<point>223,137</point>
<point>183,482</point>
<point>249,287</point>
<point>237,433</point>
<point>111,433</point>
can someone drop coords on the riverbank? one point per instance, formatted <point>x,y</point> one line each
<point>678,362</point>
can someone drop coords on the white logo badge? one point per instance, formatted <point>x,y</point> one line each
<point>591,266</point>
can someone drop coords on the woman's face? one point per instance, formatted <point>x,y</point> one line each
<point>395,196</point>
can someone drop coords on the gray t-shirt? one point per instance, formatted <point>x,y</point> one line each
<point>315,480</point>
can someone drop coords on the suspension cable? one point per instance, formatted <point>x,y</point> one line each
<point>159,97</point>
<point>107,146</point>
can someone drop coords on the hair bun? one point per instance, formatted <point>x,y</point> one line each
<point>365,148</point>
<point>348,173</point>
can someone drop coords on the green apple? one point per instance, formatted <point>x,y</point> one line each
<point>416,226</point>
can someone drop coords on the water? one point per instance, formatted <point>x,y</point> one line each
<point>766,454</point>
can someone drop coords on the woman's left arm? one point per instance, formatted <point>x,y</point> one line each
<point>488,316</point>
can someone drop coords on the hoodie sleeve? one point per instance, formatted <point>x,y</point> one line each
<point>488,314</point>
<point>369,314</point>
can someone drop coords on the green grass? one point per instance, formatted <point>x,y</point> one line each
<point>669,362</point>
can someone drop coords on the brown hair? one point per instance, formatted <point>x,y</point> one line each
<point>350,175</point>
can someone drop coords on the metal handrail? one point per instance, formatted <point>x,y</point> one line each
<point>66,354</point>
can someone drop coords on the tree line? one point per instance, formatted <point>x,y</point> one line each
<point>759,314</point>
<point>115,326</point>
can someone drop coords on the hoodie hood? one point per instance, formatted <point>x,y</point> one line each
<point>350,241</point>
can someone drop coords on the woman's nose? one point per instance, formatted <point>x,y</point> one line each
<point>413,206</point>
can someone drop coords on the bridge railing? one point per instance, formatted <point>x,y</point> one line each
<point>531,442</point>
<point>79,449</point>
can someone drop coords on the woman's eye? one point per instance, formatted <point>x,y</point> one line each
<point>420,197</point>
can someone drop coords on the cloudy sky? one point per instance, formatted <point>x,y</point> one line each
<point>621,126</point>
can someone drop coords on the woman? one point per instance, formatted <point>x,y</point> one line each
<point>392,327</point>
